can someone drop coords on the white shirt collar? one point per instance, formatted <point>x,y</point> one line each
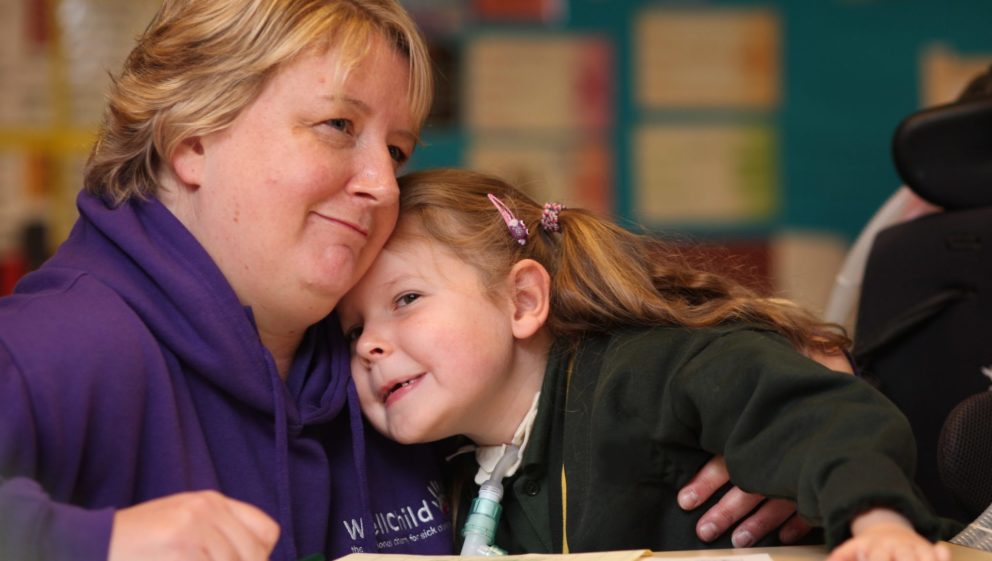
<point>489,456</point>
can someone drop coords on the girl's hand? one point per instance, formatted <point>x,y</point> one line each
<point>884,535</point>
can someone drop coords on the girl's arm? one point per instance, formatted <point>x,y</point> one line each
<point>738,505</point>
<point>881,534</point>
<point>788,430</point>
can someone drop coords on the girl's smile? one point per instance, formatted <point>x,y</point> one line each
<point>393,392</point>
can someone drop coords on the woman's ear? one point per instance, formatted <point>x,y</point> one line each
<point>187,161</point>
<point>531,290</point>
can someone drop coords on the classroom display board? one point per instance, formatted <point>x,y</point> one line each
<point>763,126</point>
<point>721,116</point>
<point>760,124</point>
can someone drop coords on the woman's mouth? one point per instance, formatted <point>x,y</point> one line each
<point>349,225</point>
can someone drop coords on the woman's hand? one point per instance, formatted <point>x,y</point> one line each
<point>203,525</point>
<point>734,506</point>
<point>884,535</point>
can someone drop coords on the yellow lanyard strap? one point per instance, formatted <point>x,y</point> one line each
<point>564,484</point>
<point>564,511</point>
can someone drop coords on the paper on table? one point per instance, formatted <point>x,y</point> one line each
<point>631,555</point>
<point>703,556</point>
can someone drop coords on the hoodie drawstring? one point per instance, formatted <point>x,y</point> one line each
<point>283,492</point>
<point>358,450</point>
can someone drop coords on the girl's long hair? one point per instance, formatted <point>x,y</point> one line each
<point>603,277</point>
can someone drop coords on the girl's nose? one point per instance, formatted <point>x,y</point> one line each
<point>371,347</point>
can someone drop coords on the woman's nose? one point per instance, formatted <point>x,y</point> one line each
<point>375,178</point>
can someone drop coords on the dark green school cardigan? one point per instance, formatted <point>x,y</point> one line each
<point>642,410</point>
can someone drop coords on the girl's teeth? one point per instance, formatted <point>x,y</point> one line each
<point>398,386</point>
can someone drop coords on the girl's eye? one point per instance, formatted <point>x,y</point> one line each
<point>398,155</point>
<point>343,125</point>
<point>353,334</point>
<point>406,299</point>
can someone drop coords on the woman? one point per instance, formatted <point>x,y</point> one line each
<point>177,342</point>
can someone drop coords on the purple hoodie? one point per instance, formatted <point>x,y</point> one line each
<point>129,371</point>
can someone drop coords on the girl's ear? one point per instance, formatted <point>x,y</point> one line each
<point>531,288</point>
<point>188,160</point>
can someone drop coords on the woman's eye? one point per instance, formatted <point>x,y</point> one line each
<point>343,125</point>
<point>406,299</point>
<point>353,334</point>
<point>398,155</point>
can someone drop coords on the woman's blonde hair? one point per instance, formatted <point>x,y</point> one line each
<point>603,277</point>
<point>201,62</point>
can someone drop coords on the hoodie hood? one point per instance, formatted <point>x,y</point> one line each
<point>171,282</point>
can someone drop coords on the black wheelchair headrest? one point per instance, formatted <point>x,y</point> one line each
<point>944,153</point>
<point>964,453</point>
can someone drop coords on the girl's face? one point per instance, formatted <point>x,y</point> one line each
<point>296,197</point>
<point>433,354</point>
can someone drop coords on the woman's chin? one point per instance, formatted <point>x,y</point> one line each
<point>328,287</point>
<point>335,270</point>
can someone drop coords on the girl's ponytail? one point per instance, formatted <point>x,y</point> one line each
<point>603,277</point>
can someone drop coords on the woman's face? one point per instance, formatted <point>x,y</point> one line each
<point>297,196</point>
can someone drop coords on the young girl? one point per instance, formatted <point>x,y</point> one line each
<point>617,371</point>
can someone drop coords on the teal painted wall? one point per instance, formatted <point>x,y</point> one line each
<point>850,71</point>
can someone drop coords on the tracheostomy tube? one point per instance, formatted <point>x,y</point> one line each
<point>483,517</point>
